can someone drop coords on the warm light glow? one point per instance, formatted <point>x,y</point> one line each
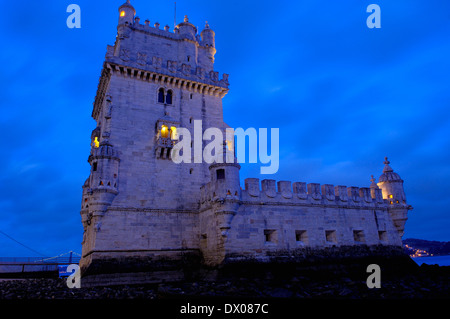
<point>96,142</point>
<point>122,13</point>
<point>230,145</point>
<point>164,131</point>
<point>391,196</point>
<point>173,132</point>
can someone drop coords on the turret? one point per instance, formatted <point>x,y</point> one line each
<point>392,188</point>
<point>208,36</point>
<point>187,29</point>
<point>391,185</point>
<point>208,41</point>
<point>126,13</point>
<point>225,187</point>
<point>103,181</point>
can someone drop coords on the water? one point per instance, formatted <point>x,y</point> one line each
<point>440,260</point>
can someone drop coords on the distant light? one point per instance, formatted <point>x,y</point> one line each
<point>391,196</point>
<point>122,13</point>
<point>96,142</point>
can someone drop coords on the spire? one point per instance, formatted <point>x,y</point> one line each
<point>388,173</point>
<point>387,168</point>
<point>373,183</point>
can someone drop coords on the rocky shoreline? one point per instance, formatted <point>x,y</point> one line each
<point>427,282</point>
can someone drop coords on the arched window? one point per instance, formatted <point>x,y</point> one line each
<point>173,133</point>
<point>161,95</point>
<point>164,131</point>
<point>169,97</point>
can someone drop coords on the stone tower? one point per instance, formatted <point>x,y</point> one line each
<point>148,217</point>
<point>137,203</point>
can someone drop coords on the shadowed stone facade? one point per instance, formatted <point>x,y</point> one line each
<point>144,214</point>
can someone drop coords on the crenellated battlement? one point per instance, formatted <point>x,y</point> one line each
<point>187,54</point>
<point>269,191</point>
<point>311,193</point>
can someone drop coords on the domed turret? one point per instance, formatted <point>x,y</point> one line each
<point>208,41</point>
<point>187,29</point>
<point>392,188</point>
<point>392,185</point>
<point>208,36</point>
<point>126,13</point>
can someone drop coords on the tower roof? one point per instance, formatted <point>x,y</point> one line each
<point>186,23</point>
<point>127,5</point>
<point>388,173</point>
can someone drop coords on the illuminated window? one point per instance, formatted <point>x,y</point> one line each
<point>161,95</point>
<point>173,132</point>
<point>169,97</point>
<point>96,143</point>
<point>391,196</point>
<point>122,13</point>
<point>164,131</point>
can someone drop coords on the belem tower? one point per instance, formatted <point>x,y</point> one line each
<point>143,213</point>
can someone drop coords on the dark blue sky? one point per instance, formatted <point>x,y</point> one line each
<point>344,96</point>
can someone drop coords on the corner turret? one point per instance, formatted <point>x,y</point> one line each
<point>187,29</point>
<point>208,41</point>
<point>392,188</point>
<point>392,185</point>
<point>126,13</point>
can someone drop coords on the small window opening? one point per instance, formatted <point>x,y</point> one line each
<point>330,236</point>
<point>358,236</point>
<point>301,236</point>
<point>191,96</point>
<point>161,95</point>
<point>191,171</point>
<point>169,97</point>
<point>270,235</point>
<point>382,235</point>
<point>96,143</point>
<point>188,58</point>
<point>94,166</point>
<point>220,173</point>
